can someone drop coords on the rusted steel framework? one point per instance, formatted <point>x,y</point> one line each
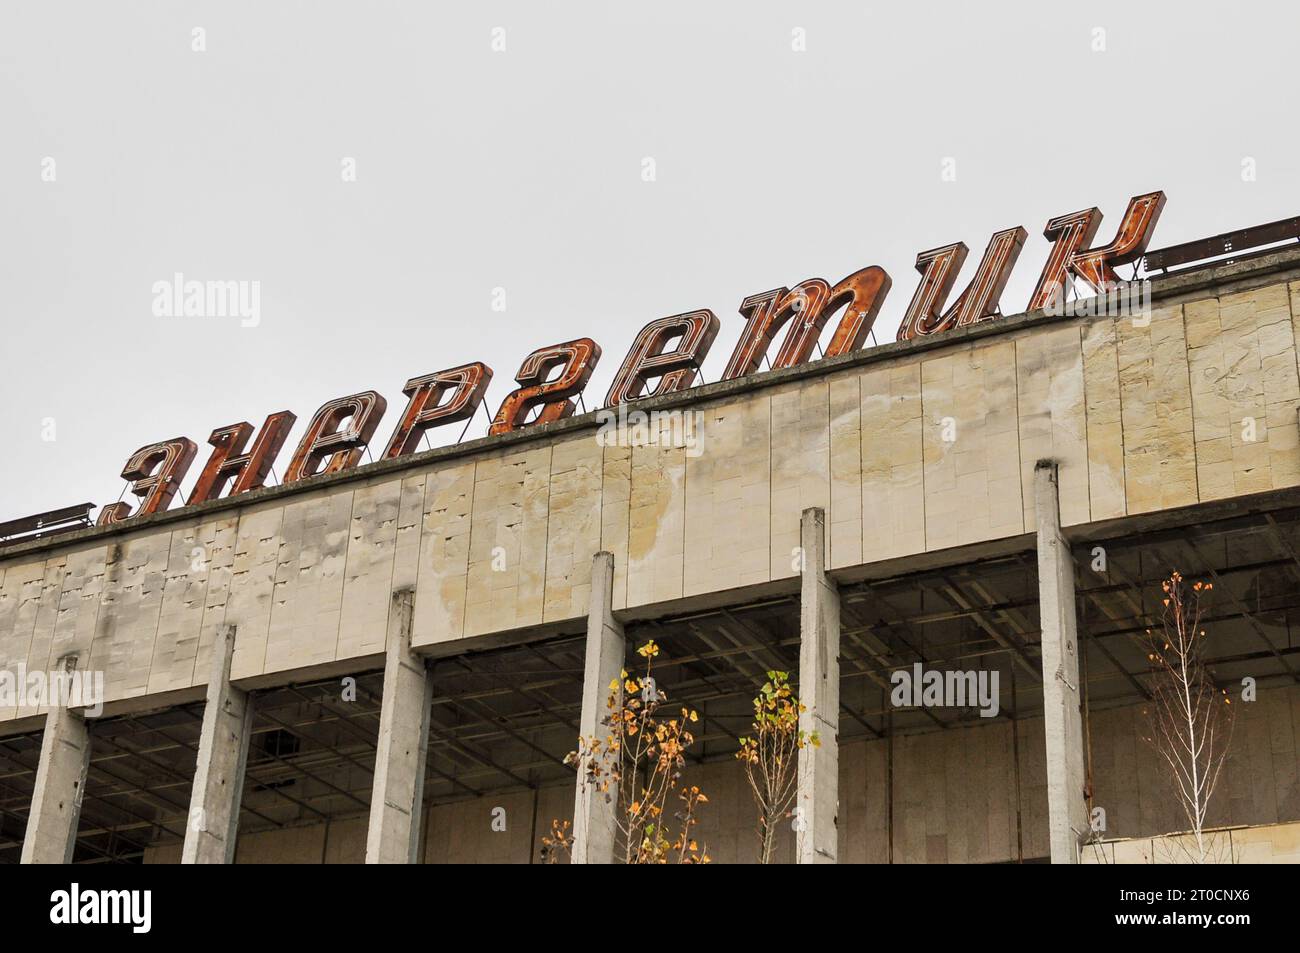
<point>51,523</point>
<point>1222,249</point>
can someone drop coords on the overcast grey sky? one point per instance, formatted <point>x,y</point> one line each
<point>522,169</point>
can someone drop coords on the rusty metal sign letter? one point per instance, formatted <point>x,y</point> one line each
<point>228,460</point>
<point>156,472</point>
<point>765,313</point>
<point>324,438</point>
<point>939,268</point>
<point>676,369</point>
<point>427,409</point>
<point>1072,232</point>
<point>577,359</point>
<point>863,292</point>
<point>811,304</point>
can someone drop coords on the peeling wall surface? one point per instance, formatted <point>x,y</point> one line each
<point>1142,416</point>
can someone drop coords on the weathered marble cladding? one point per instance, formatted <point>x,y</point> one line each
<point>920,452</point>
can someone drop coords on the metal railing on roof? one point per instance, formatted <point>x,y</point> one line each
<point>41,525</point>
<point>1222,249</point>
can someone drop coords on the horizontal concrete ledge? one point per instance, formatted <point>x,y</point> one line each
<point>1169,289</point>
<point>1193,520</point>
<point>1239,844</point>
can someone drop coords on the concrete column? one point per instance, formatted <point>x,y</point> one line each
<point>60,787</point>
<point>817,802</point>
<point>1067,809</point>
<point>223,755</point>
<point>397,800</point>
<point>594,811</point>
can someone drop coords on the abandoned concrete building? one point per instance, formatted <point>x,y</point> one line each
<point>390,663</point>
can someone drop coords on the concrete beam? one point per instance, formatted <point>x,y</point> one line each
<point>594,811</point>
<point>817,801</point>
<point>397,800</point>
<point>60,788</point>
<point>1067,808</point>
<point>218,787</point>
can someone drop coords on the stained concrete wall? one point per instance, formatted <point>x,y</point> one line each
<point>499,537</point>
<point>1258,785</point>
